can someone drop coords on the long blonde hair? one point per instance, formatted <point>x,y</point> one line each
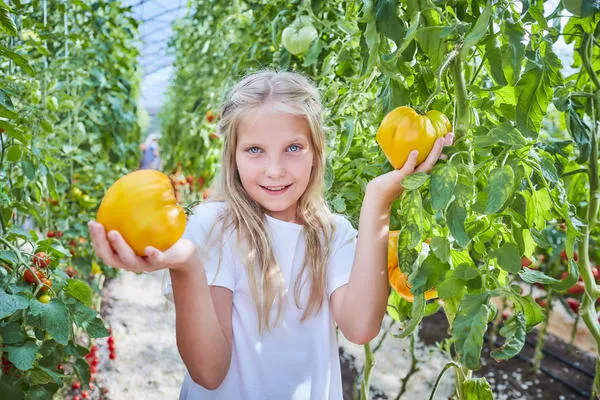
<point>294,94</point>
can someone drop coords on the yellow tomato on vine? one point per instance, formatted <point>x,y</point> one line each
<point>398,279</point>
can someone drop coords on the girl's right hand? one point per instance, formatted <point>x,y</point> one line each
<point>114,251</point>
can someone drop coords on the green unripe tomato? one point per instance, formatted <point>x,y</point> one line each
<point>297,37</point>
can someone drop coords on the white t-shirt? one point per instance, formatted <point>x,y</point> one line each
<point>295,360</point>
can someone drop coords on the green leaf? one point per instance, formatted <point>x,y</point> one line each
<point>22,357</point>
<point>411,32</point>
<point>477,389</point>
<point>11,333</point>
<point>398,308</point>
<point>469,327</point>
<point>500,188</point>
<point>55,319</point>
<point>503,133</point>
<point>388,22</point>
<point>428,275</point>
<point>535,276</point>
<point>416,315</point>
<point>7,24</point>
<point>39,377</point>
<point>534,314</point>
<point>14,153</point>
<point>441,248</point>
<point>18,60</point>
<point>9,303</point>
<point>455,218</point>
<point>415,181</point>
<point>478,31</point>
<point>97,329</point>
<point>535,90</point>
<point>514,333</point>
<point>509,258</point>
<point>80,290</point>
<point>493,57</point>
<point>443,182</point>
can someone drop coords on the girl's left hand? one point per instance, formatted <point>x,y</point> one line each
<point>388,186</point>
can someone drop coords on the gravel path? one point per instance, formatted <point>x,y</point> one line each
<point>148,365</point>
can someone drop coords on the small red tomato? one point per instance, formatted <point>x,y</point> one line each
<point>596,272</point>
<point>50,234</point>
<point>70,271</point>
<point>210,116</point>
<point>29,278</point>
<point>542,302</point>
<point>41,259</point>
<point>76,385</point>
<point>573,304</point>
<point>110,340</point>
<point>112,356</point>
<point>59,234</point>
<point>541,257</point>
<point>46,284</point>
<point>93,369</point>
<point>577,288</point>
<point>505,314</point>
<point>85,394</point>
<point>77,397</point>
<point>92,386</point>
<point>213,136</point>
<point>525,262</point>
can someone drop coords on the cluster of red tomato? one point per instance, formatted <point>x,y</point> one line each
<point>36,275</point>
<point>93,361</point>
<point>573,292</point>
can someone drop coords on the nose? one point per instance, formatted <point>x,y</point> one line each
<point>274,168</point>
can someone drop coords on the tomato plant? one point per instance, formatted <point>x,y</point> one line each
<point>68,125</point>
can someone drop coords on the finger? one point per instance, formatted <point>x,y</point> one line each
<point>411,162</point>
<point>125,252</point>
<point>154,258</point>
<point>433,156</point>
<point>449,139</point>
<point>101,245</point>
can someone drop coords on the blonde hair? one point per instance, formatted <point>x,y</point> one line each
<point>294,94</point>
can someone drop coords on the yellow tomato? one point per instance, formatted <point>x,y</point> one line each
<point>404,130</point>
<point>141,206</point>
<point>398,279</point>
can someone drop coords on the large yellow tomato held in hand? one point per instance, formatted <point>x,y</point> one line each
<point>404,130</point>
<point>141,206</point>
<point>398,279</point>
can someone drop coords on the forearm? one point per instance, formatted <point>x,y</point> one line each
<point>201,340</point>
<point>365,299</point>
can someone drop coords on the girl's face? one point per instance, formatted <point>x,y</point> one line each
<point>274,160</point>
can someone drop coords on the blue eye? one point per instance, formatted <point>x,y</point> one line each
<point>294,148</point>
<point>253,150</point>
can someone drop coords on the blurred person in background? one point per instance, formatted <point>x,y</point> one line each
<point>151,153</point>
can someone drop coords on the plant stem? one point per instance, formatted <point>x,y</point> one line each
<point>438,86</point>
<point>413,365</point>
<point>366,381</point>
<point>574,333</point>
<point>541,337</point>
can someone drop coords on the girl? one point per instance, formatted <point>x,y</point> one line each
<point>263,275</point>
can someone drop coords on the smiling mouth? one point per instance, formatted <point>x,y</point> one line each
<point>276,189</point>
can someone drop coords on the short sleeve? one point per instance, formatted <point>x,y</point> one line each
<point>204,229</point>
<point>342,254</point>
